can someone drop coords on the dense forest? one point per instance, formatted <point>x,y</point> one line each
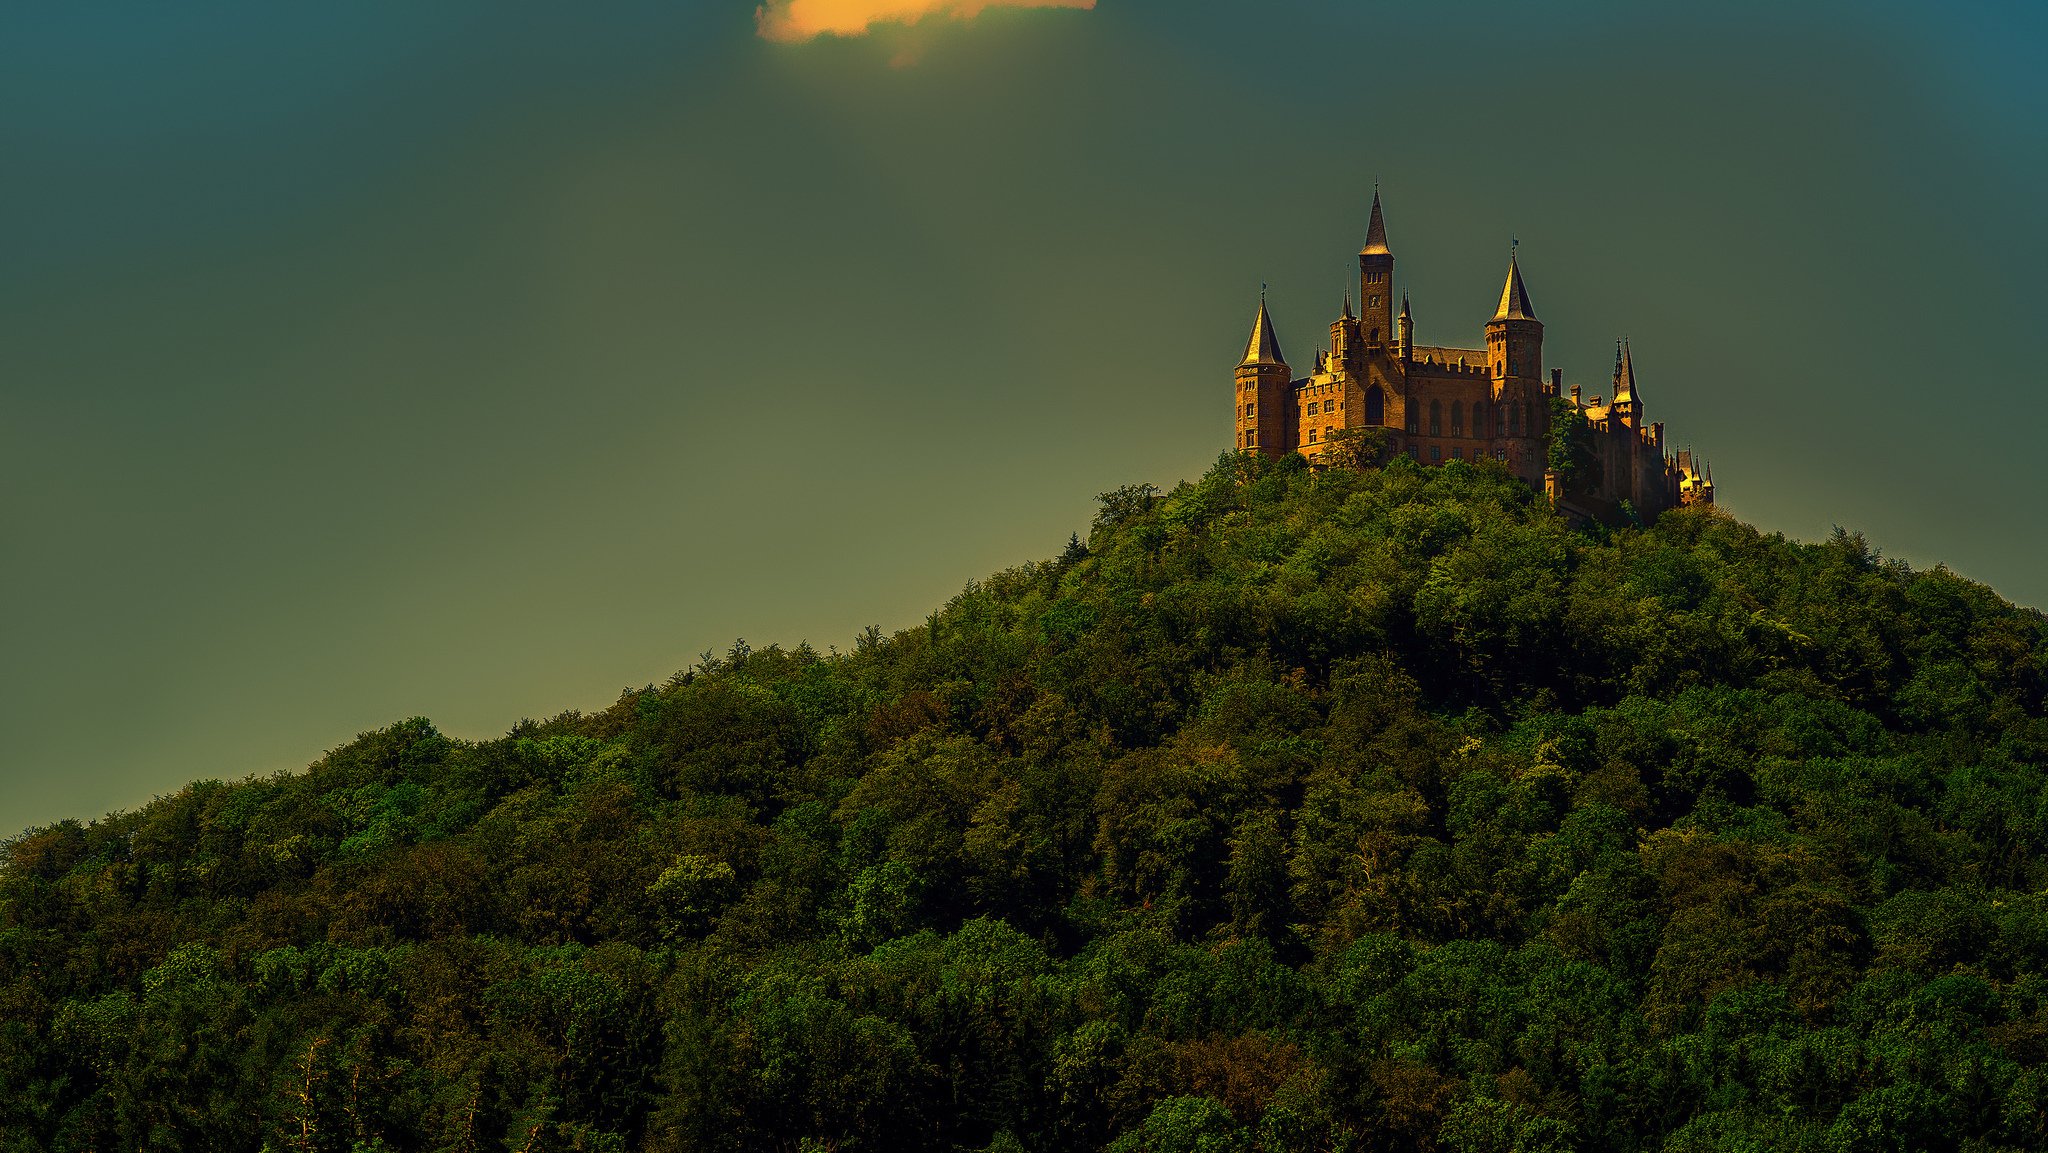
<point>1353,810</point>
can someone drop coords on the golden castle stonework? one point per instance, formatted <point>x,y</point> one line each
<point>1439,404</point>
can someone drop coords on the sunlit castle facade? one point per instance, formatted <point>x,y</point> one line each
<point>1442,404</point>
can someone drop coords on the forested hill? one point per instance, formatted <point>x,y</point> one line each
<point>1291,811</point>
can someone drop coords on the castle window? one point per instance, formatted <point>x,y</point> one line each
<point>1436,452</point>
<point>1311,436</point>
<point>1479,420</point>
<point>1414,452</point>
<point>1375,405</point>
<point>1515,420</point>
<point>1436,418</point>
<point>1458,454</point>
<point>1457,418</point>
<point>1414,419</point>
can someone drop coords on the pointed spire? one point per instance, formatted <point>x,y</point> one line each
<point>1347,305</point>
<point>1624,375</point>
<point>1376,229</point>
<point>1404,306</point>
<point>1265,345</point>
<point>1514,298</point>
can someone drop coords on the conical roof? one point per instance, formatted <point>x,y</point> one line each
<point>1514,297</point>
<point>1265,344</point>
<point>1625,377</point>
<point>1376,231</point>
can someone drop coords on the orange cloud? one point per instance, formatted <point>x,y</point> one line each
<point>792,20</point>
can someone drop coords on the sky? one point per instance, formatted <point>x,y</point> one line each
<point>479,360</point>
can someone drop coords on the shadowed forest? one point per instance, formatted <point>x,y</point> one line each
<point>1288,811</point>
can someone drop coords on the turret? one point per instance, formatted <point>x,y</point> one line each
<point>1626,407</point>
<point>1407,324</point>
<point>1514,337</point>
<point>1376,280</point>
<point>1343,338</point>
<point>1263,390</point>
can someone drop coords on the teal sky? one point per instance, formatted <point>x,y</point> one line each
<point>476,360</point>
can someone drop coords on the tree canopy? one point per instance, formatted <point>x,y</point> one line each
<point>1291,810</point>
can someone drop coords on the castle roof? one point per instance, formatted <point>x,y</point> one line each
<point>1625,377</point>
<point>1463,357</point>
<point>1514,297</point>
<point>1265,343</point>
<point>1376,231</point>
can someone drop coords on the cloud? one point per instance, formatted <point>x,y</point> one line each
<point>792,20</point>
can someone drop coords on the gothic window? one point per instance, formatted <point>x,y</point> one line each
<point>1311,436</point>
<point>1414,419</point>
<point>1479,421</point>
<point>1251,409</point>
<point>1457,418</point>
<point>1436,418</point>
<point>1375,405</point>
<point>1514,420</point>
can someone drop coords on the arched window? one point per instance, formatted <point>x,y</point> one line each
<point>1457,418</point>
<point>1436,418</point>
<point>1514,420</point>
<point>1375,405</point>
<point>1479,421</point>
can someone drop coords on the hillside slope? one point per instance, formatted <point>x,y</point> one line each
<point>1356,811</point>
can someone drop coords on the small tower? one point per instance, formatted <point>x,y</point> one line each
<point>1264,390</point>
<point>1407,323</point>
<point>1514,337</point>
<point>1376,280</point>
<point>1344,339</point>
<point>1627,408</point>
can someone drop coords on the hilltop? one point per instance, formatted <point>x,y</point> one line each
<point>1290,810</point>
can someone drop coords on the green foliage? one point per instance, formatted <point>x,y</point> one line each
<point>1570,449</point>
<point>1293,810</point>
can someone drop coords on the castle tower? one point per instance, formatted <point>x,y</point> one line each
<point>1407,324</point>
<point>1376,281</point>
<point>1344,339</point>
<point>1514,337</point>
<point>1626,407</point>
<point>1264,390</point>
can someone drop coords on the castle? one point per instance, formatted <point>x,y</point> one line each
<point>1442,404</point>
